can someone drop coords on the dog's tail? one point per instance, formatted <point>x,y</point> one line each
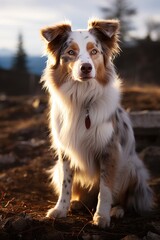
<point>140,196</point>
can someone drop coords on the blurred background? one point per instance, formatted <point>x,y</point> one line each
<point>21,47</point>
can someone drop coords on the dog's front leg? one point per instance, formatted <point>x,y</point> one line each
<point>101,217</point>
<point>108,160</point>
<point>63,203</point>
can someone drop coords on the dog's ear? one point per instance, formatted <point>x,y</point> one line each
<point>57,31</point>
<point>108,28</point>
<point>55,37</point>
<point>106,32</point>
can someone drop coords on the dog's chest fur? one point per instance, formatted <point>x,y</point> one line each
<point>68,115</point>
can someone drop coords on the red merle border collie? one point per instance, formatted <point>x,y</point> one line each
<point>90,131</point>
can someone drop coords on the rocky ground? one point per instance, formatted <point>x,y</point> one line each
<point>25,194</point>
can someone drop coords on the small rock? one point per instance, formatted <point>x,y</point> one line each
<point>96,237</point>
<point>7,158</point>
<point>4,236</point>
<point>131,237</point>
<point>26,216</point>
<point>19,224</point>
<point>16,223</point>
<point>152,236</point>
<point>155,227</point>
<point>56,235</point>
<point>86,236</point>
<point>7,224</point>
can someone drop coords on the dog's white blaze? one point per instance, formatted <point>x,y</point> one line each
<point>82,38</point>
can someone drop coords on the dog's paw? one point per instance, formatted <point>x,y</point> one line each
<point>101,221</point>
<point>117,212</point>
<point>56,213</point>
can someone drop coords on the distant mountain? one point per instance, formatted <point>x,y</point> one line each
<point>35,64</point>
<point>6,52</point>
<point>5,62</point>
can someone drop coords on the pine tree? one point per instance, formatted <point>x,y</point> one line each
<point>20,58</point>
<point>121,10</point>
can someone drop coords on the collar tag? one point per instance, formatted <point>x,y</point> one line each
<point>87,120</point>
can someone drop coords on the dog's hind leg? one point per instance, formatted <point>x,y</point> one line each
<point>117,212</point>
<point>140,196</point>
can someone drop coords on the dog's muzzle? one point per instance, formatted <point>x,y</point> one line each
<point>85,71</point>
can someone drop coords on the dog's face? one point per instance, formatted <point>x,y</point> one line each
<point>83,54</point>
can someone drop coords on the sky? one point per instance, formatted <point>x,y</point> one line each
<point>29,16</point>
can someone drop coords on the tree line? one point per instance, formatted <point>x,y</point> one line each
<point>124,11</point>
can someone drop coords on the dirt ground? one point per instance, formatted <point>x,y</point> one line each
<point>25,194</point>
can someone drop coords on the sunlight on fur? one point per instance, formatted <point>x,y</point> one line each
<point>90,131</point>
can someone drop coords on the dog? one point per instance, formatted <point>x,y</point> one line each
<point>90,131</point>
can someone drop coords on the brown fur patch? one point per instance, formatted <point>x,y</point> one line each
<point>56,36</point>
<point>102,29</point>
<point>99,63</point>
<point>60,74</point>
<point>90,46</point>
<point>74,46</point>
<point>101,75</point>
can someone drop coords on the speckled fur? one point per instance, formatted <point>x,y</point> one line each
<point>101,159</point>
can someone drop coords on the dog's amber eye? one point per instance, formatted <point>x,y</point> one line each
<point>71,52</point>
<point>94,52</point>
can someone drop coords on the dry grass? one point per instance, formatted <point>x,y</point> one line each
<point>146,97</point>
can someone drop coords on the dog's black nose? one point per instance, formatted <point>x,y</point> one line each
<point>86,68</point>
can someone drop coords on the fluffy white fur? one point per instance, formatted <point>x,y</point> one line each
<point>102,157</point>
